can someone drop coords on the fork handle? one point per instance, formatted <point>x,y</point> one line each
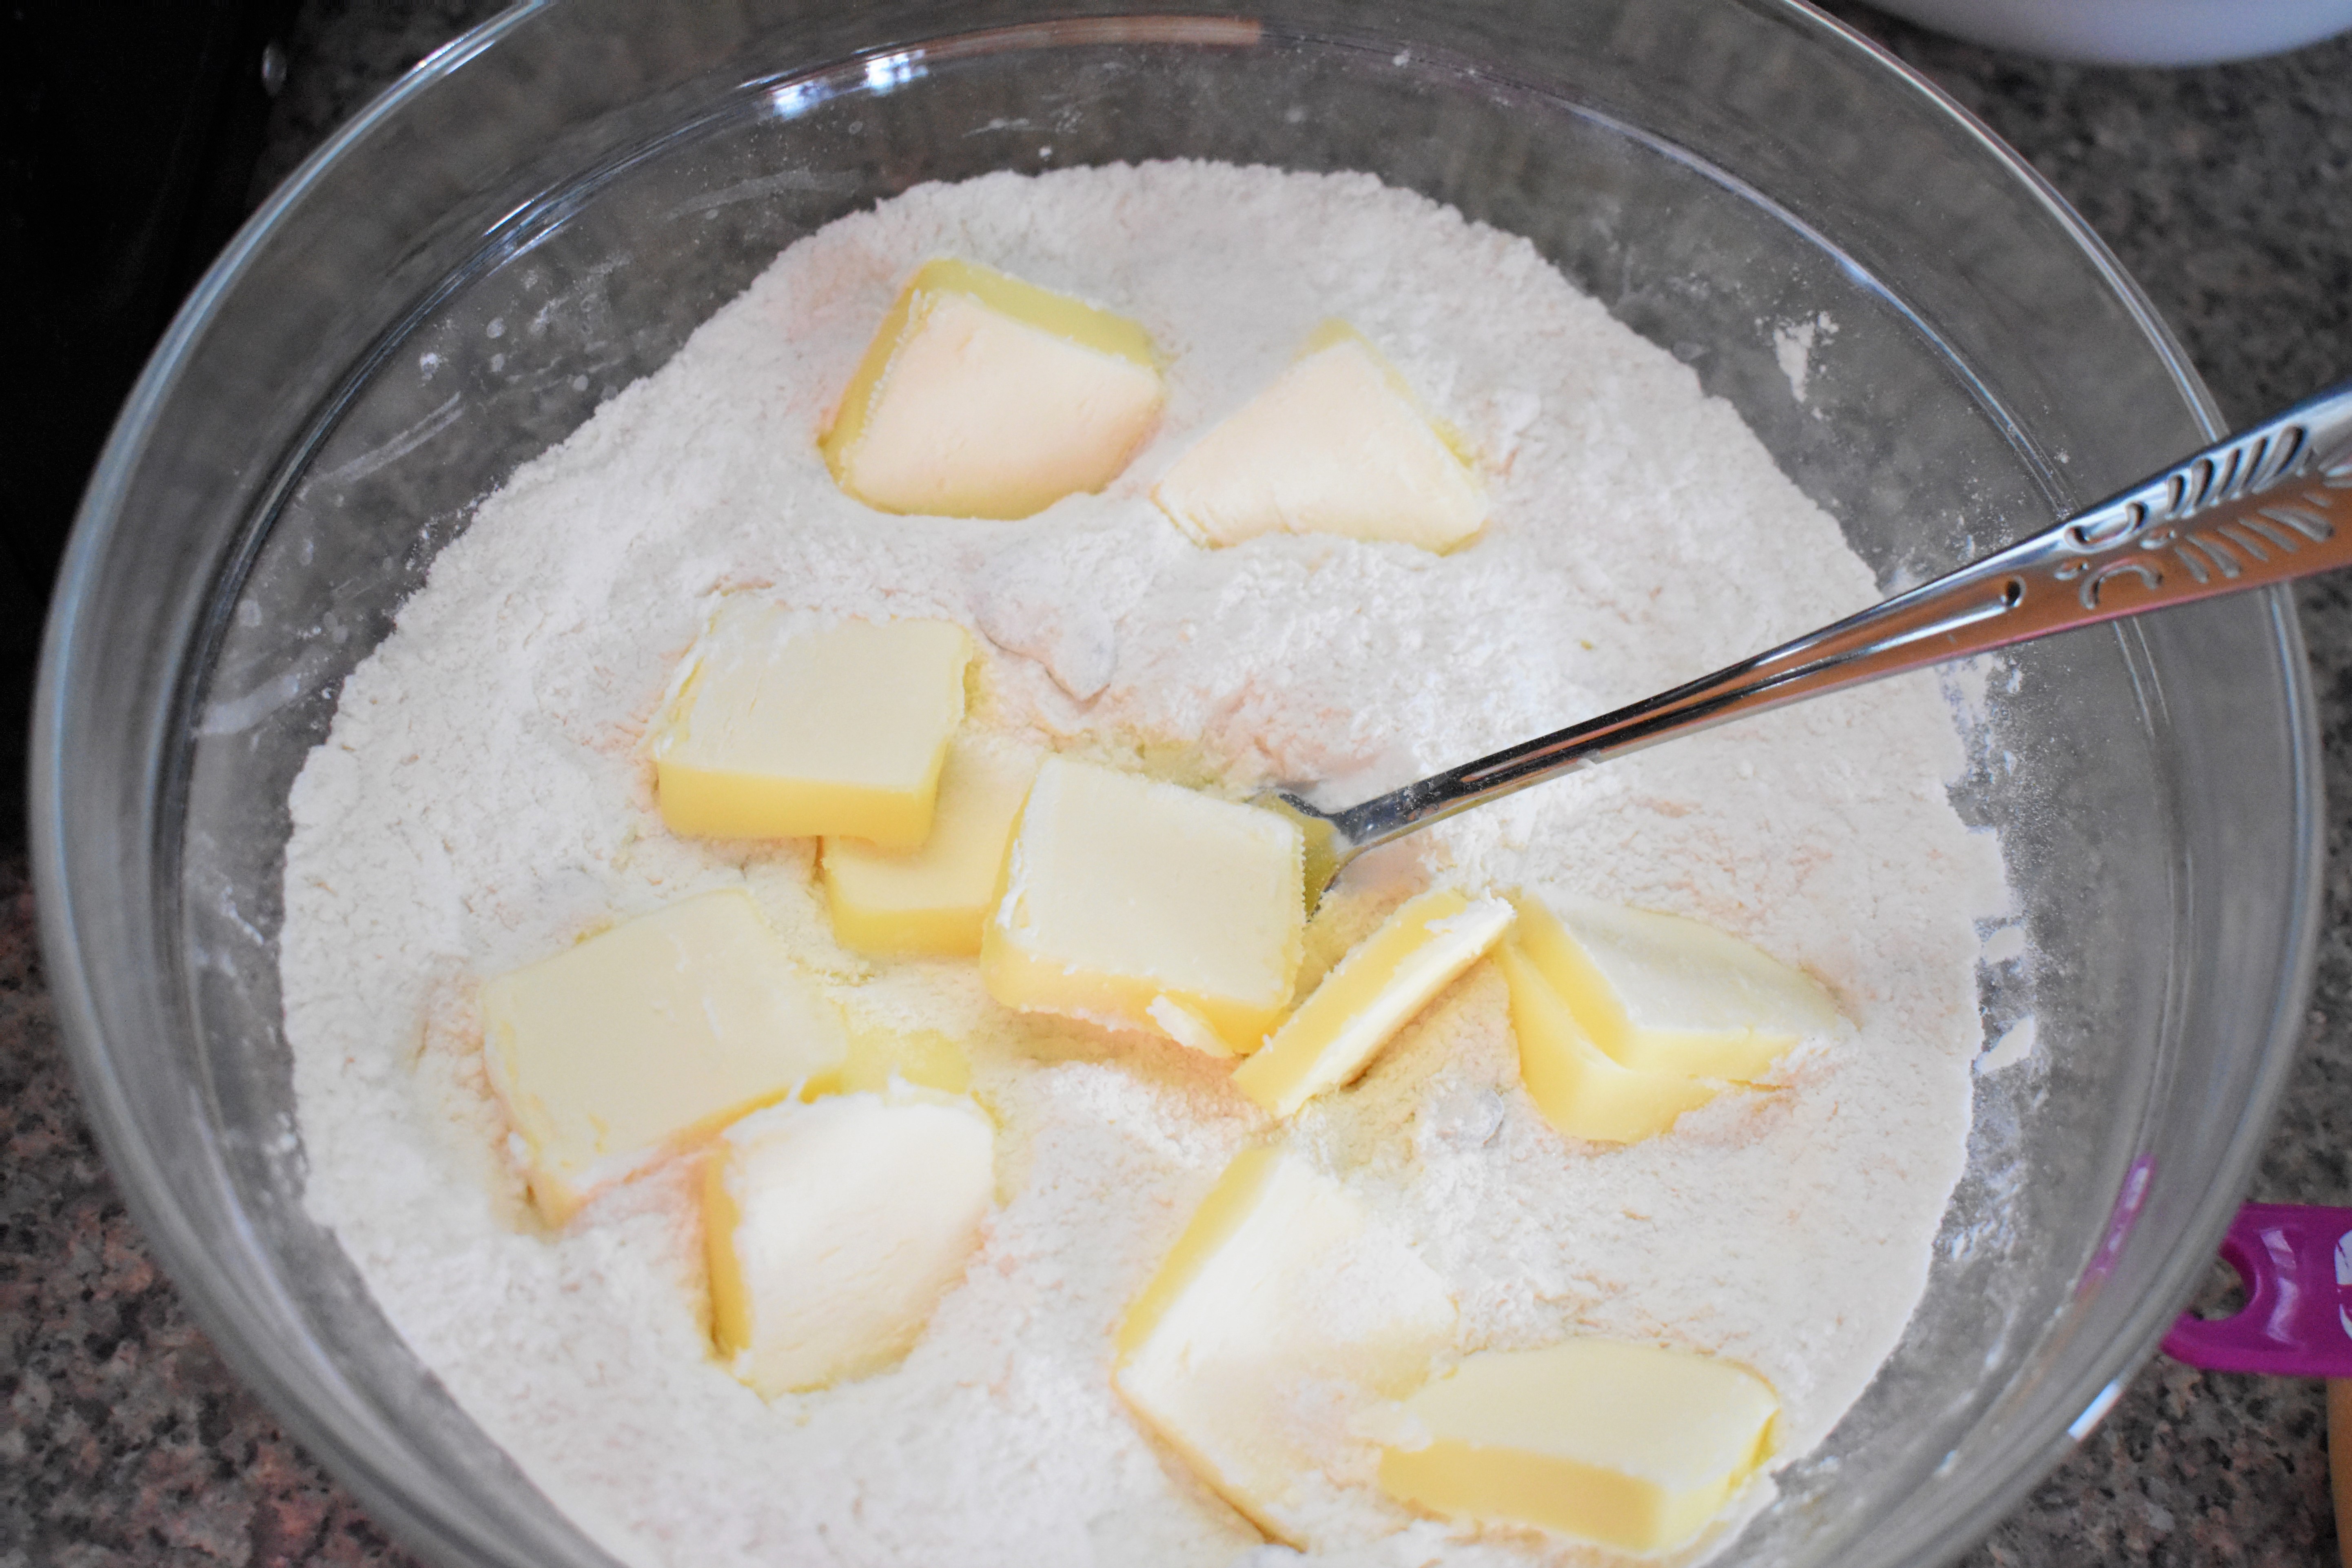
<point>2264,507</point>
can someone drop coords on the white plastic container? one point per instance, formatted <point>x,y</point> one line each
<point>2134,32</point>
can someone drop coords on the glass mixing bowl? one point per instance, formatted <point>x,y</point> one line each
<point>599,175</point>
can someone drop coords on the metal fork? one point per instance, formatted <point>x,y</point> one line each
<point>2264,507</point>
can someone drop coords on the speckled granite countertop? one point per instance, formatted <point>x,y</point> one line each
<point>2227,192</point>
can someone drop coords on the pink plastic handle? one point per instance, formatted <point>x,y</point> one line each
<point>2297,1262</point>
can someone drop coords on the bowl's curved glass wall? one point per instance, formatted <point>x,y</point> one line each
<point>550,209</point>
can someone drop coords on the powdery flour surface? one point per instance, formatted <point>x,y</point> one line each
<point>481,804</point>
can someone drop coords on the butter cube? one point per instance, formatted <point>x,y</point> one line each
<point>1141,905</point>
<point>1369,994</point>
<point>781,725</point>
<point>834,1227</point>
<point>982,395</point>
<point>934,898</point>
<point>1578,1088</point>
<point>1274,1331</point>
<point>881,1056</point>
<point>1625,1445</point>
<point>1662,993</point>
<point>647,1038</point>
<point>1335,445</point>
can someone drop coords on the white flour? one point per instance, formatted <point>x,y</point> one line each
<point>481,804</point>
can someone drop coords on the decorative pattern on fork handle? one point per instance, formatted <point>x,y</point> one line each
<point>2225,513</point>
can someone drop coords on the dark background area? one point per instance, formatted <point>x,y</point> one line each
<point>140,133</point>
<point>131,137</point>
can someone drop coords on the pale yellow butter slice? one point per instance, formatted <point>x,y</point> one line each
<point>1280,1322</point>
<point>1577,1087</point>
<point>834,1227</point>
<point>648,1038</point>
<point>784,724</point>
<point>1662,993</point>
<point>1369,994</point>
<point>1335,445</point>
<point>881,1057</point>
<point>982,395</point>
<point>935,898</point>
<point>1626,1445</point>
<point>1142,905</point>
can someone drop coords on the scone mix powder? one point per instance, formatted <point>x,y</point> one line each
<point>481,802</point>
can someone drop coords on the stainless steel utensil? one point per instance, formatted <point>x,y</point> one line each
<point>2264,507</point>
